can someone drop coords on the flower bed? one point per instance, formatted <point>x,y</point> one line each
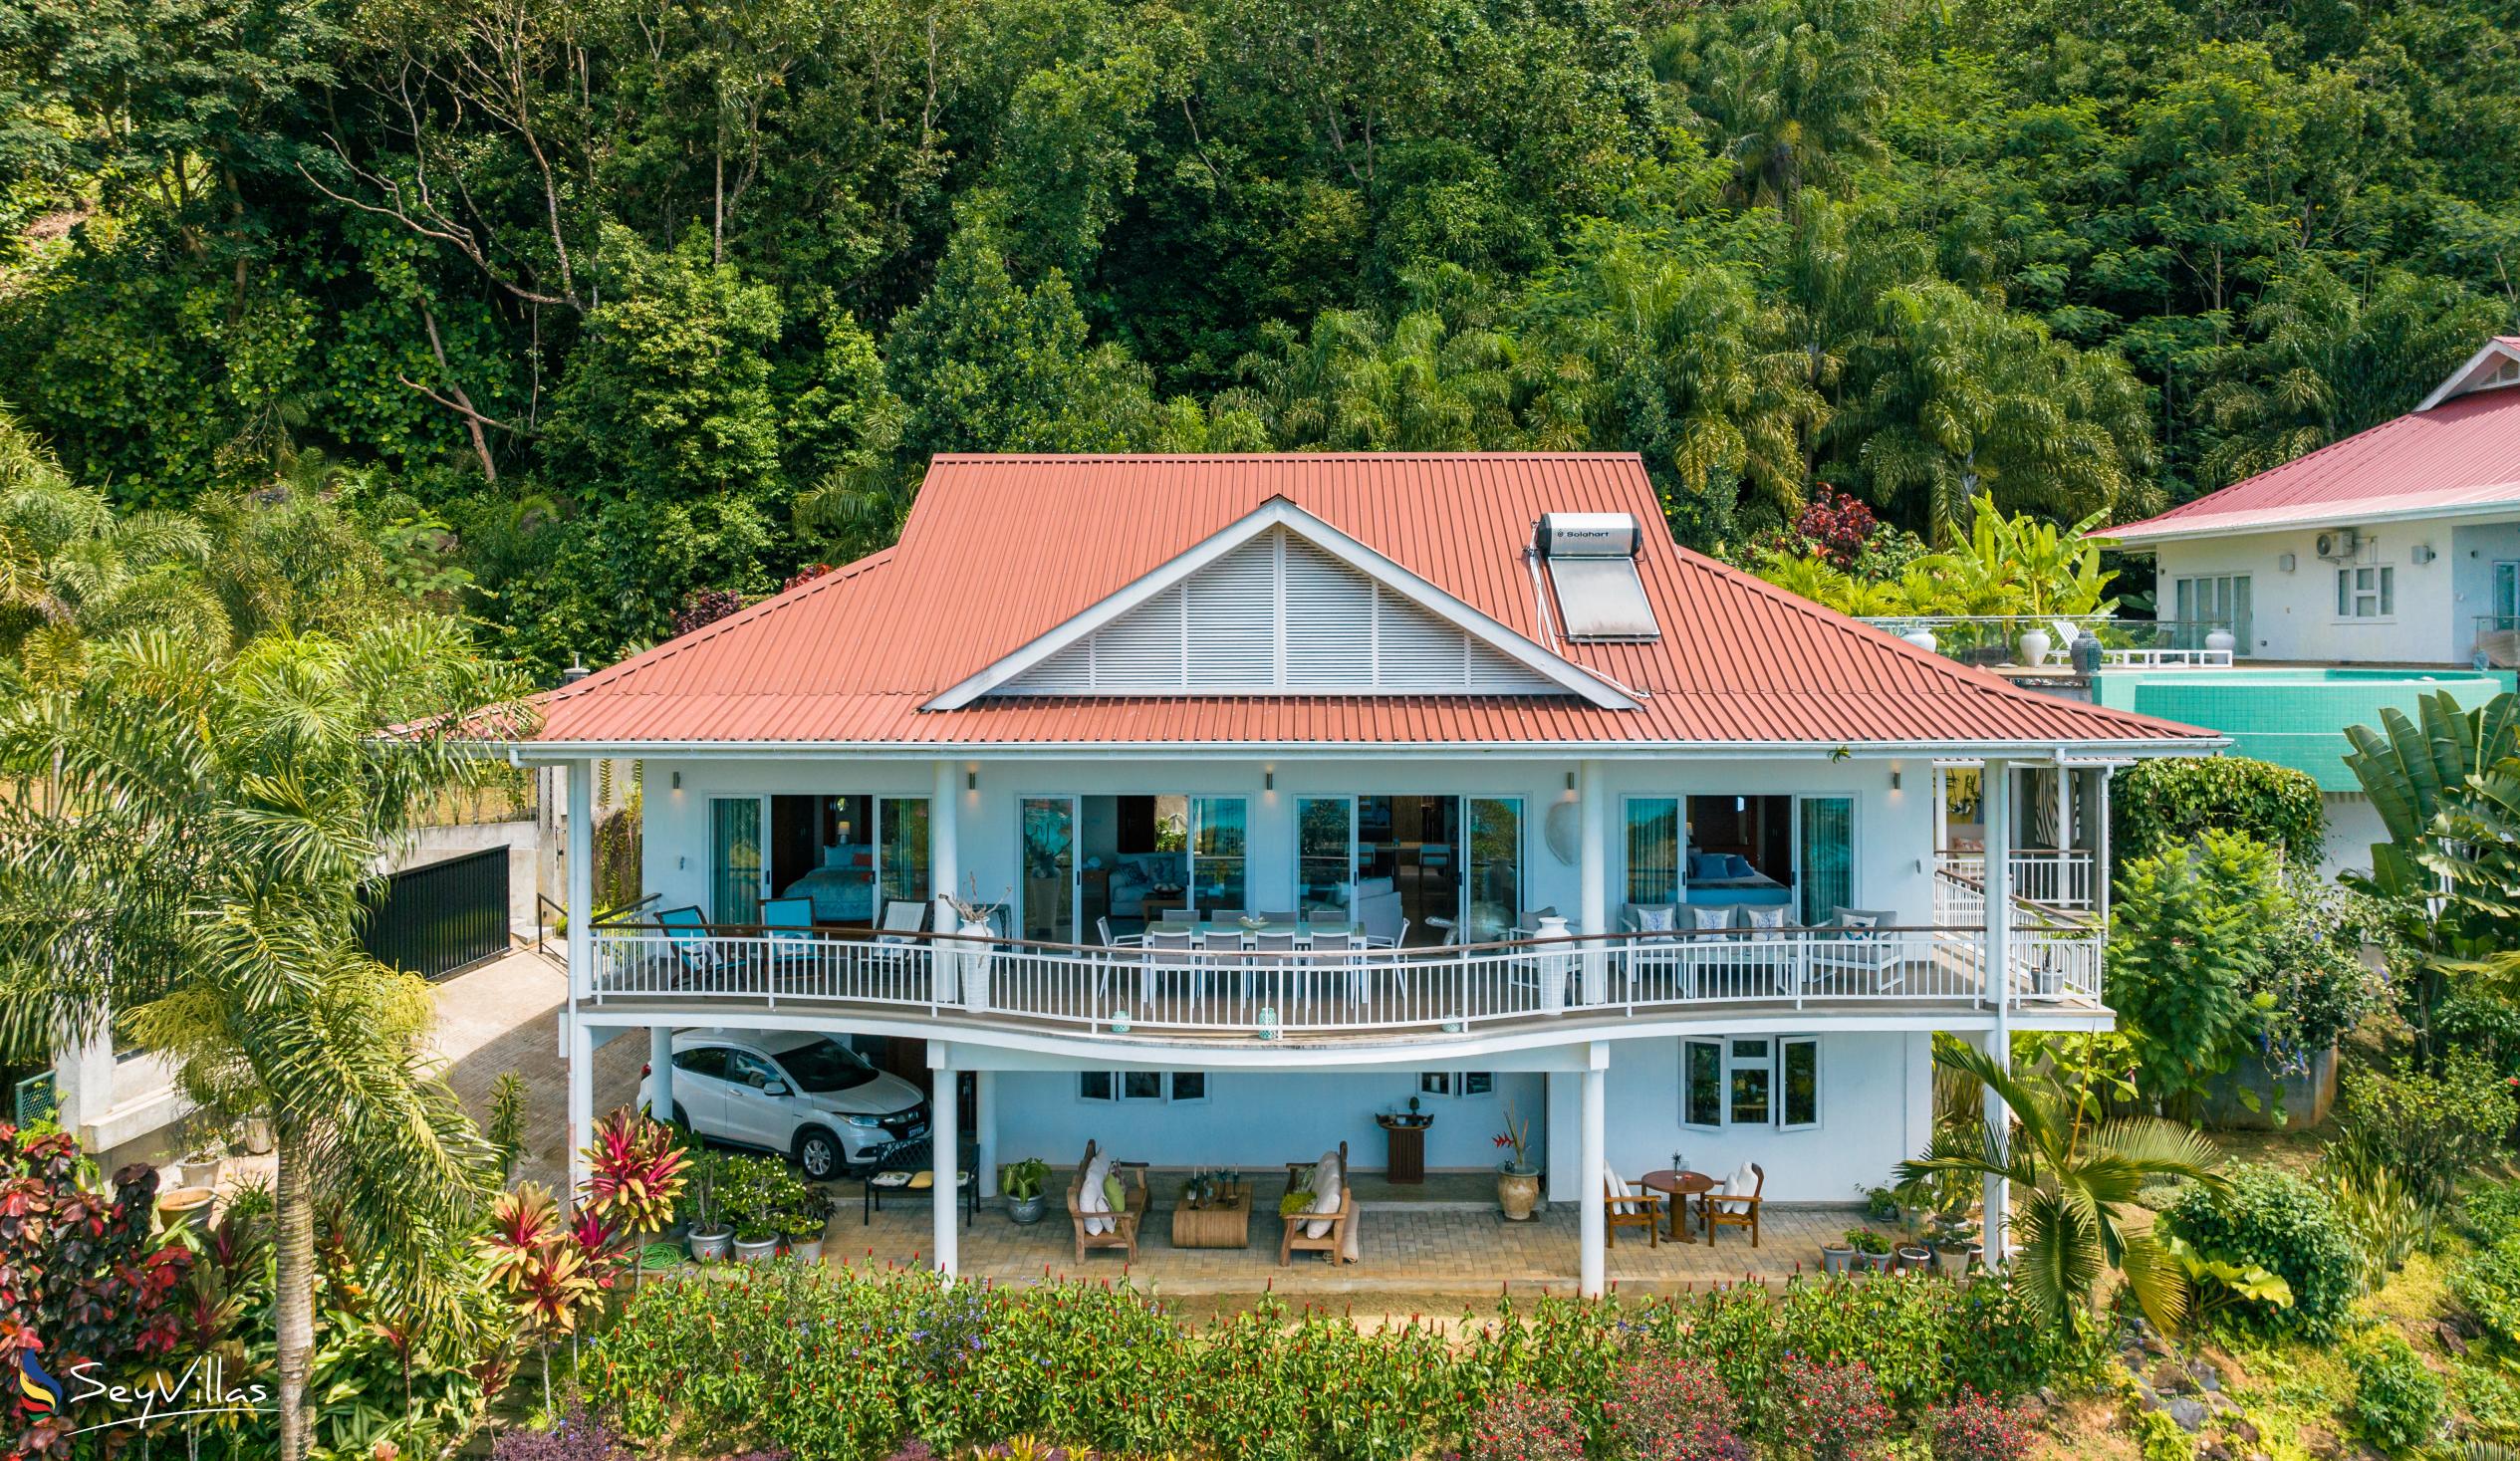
<point>844,1366</point>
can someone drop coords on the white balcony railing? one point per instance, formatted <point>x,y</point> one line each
<point>1304,993</point>
<point>2059,879</point>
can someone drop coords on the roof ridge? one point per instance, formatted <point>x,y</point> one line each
<point>613,674</point>
<point>1221,457</point>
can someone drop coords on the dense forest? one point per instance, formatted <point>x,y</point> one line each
<point>621,307</point>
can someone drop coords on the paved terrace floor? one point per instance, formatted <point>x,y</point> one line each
<point>1445,1238</point>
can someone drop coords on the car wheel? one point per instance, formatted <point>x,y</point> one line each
<point>821,1154</point>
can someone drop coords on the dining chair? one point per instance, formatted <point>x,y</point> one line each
<point>1284,917</point>
<point>1168,951</point>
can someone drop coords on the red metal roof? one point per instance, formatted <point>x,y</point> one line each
<point>1000,550</point>
<point>2463,454</point>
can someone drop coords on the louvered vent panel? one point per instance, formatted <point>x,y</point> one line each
<point>1281,614</point>
<point>1142,648</point>
<point>1233,619</point>
<point>1418,650</point>
<point>1329,620</point>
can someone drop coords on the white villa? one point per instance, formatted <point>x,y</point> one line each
<point>1304,785</point>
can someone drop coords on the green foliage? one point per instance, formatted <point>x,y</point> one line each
<point>2189,945</point>
<point>846,1365</point>
<point>2400,1406</point>
<point>2490,1211</point>
<point>2434,1129</point>
<point>2157,806</point>
<point>2487,1285</point>
<point>2266,1219</point>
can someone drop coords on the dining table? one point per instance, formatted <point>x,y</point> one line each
<point>1680,1186</point>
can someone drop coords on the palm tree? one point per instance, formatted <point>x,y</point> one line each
<point>2072,1173</point>
<point>199,875</point>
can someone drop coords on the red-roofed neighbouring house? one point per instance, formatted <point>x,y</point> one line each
<point>1447,777</point>
<point>2399,544</point>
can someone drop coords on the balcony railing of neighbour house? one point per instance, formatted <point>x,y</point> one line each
<point>2497,642</point>
<point>2024,642</point>
<point>2056,952</point>
<point>2059,879</point>
<point>1265,994</point>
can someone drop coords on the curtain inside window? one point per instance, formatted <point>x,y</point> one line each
<point>905,853</point>
<point>736,859</point>
<point>1654,849</point>
<point>1827,875</point>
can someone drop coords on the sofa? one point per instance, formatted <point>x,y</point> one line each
<point>1135,875</point>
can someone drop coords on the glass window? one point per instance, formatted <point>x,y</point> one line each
<point>2210,603</point>
<point>707,1060</point>
<point>1496,866</point>
<point>1478,1082</point>
<point>826,1065</point>
<point>1142,1084</point>
<point>1189,1086</point>
<point>1802,1082</point>
<point>2366,593</point>
<point>1654,849</point>
<point>1325,833</point>
<point>1750,1085</point>
<point>1094,1085</point>
<point>1434,1082</point>
<point>1050,851</point>
<point>745,1068</point>
<point>1217,843</point>
<point>1701,1083</point>
<point>903,857</point>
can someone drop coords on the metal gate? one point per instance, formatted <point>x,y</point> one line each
<point>441,918</point>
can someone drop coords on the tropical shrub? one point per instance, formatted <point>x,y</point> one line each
<point>2191,944</point>
<point>2491,1211</point>
<point>2265,1219</point>
<point>2487,1284</point>
<point>1829,1412</point>
<point>2157,805</point>
<point>2434,1128</point>
<point>1975,1427</point>
<point>572,1435</point>
<point>1524,1424</point>
<point>2399,1405</point>
<point>1674,1410</point>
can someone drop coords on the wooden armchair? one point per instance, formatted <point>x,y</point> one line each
<point>1624,1205</point>
<point>1336,1240</point>
<point>1733,1210</point>
<point>1123,1229</point>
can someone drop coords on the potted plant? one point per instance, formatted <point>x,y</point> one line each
<point>1913,1258</point>
<point>1836,1259</point>
<point>1021,1183</point>
<point>711,1237</point>
<point>756,1242</point>
<point>1871,1250</point>
<point>1955,1235</point>
<point>805,1224</point>
<point>1880,1205</point>
<point>204,1143</point>
<point>1517,1180</point>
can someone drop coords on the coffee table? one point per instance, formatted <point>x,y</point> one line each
<point>1679,1188</point>
<point>1224,1223</point>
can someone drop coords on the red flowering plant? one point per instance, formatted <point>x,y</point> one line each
<point>1519,1423</point>
<point>1675,1411</point>
<point>1828,1410</point>
<point>635,1172</point>
<point>1978,1427</point>
<point>82,1278</point>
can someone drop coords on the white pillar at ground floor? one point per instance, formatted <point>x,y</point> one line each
<point>660,1070</point>
<point>1997,1224</point>
<point>1557,1127</point>
<point>946,1151</point>
<point>1592,1228</point>
<point>580,1095</point>
<point>984,1129</point>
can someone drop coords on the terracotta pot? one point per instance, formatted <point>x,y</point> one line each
<point>182,1202</point>
<point>1517,1193</point>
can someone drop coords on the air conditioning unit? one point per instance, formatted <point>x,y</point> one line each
<point>2340,545</point>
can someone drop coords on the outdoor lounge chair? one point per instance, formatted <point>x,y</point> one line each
<point>1627,1205</point>
<point>1732,1209</point>
<point>687,936</point>
<point>1850,958</point>
<point>1122,1232</point>
<point>1338,1226</point>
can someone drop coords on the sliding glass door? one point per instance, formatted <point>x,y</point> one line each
<point>1493,893</point>
<point>1049,857</point>
<point>902,848</point>
<point>1219,854</point>
<point>734,859</point>
<point>1825,859</point>
<point>1653,851</point>
<point>1324,852</point>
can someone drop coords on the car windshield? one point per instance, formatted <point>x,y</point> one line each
<point>826,1065</point>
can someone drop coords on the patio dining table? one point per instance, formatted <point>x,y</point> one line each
<point>1249,959</point>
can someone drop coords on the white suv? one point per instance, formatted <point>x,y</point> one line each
<point>792,1091</point>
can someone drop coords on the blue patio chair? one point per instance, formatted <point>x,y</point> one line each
<point>688,935</point>
<point>790,921</point>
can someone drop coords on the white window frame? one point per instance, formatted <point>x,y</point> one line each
<point>1461,816</point>
<point>1116,1087</point>
<point>1774,1063</point>
<point>2381,594</point>
<point>1854,798</point>
<point>1455,1085</point>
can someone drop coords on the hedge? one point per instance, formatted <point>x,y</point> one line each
<point>2159,805</point>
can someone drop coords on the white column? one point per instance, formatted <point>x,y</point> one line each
<point>1561,1123</point>
<point>2099,849</point>
<point>1591,1229</point>
<point>946,1145</point>
<point>581,1097</point>
<point>579,1041</point>
<point>984,1129</point>
<point>661,1069</point>
<point>1593,798</point>
<point>944,867</point>
<point>1941,811</point>
<point>1998,1041</point>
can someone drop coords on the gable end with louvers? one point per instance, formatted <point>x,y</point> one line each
<point>1280,615</point>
